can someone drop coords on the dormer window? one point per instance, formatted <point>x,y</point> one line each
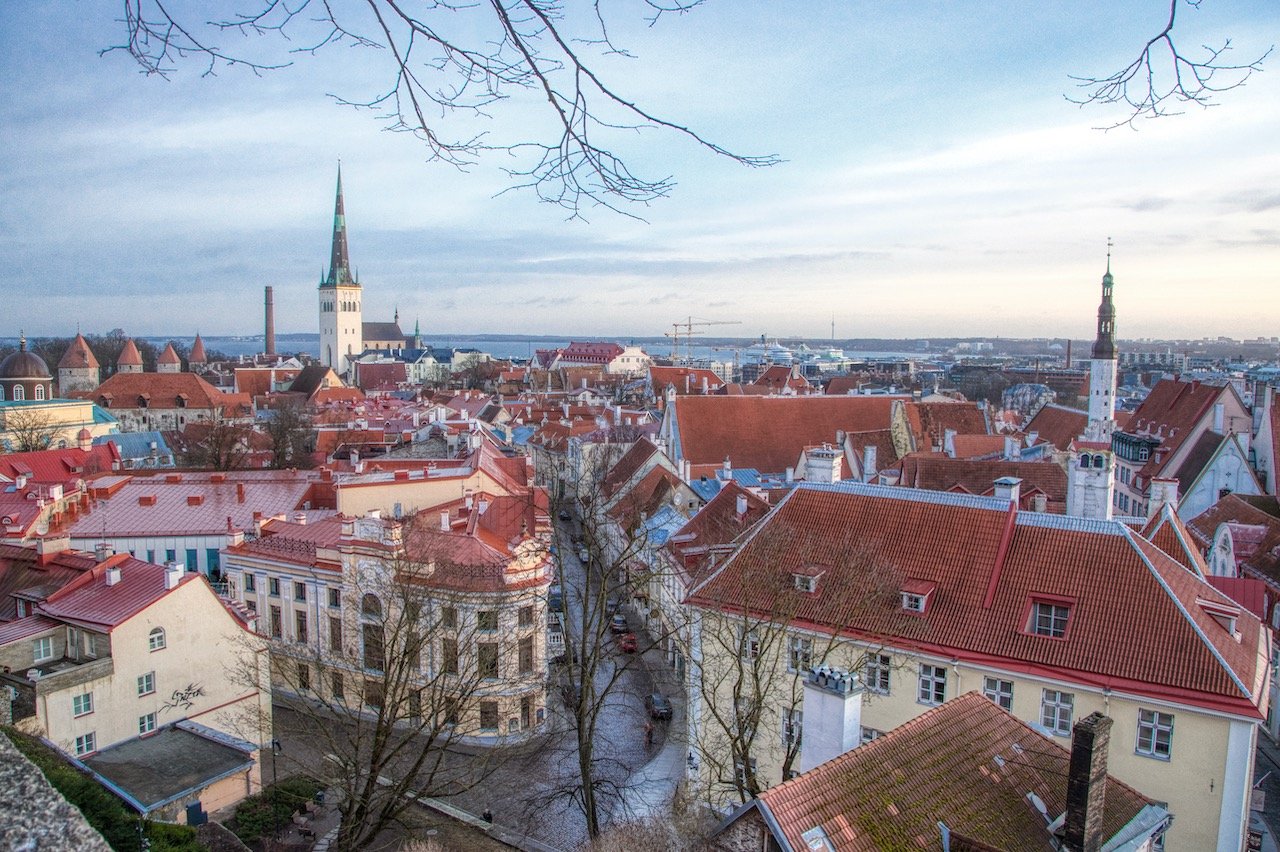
<point>915,595</point>
<point>1223,614</point>
<point>1144,453</point>
<point>1049,618</point>
<point>805,579</point>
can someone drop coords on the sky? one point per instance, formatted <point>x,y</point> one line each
<point>935,182</point>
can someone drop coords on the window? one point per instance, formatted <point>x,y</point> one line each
<point>273,586</point>
<point>155,639</point>
<point>299,592</point>
<point>171,556</point>
<point>250,582</point>
<point>487,659</point>
<point>82,704</point>
<point>374,655</point>
<point>524,617</point>
<point>749,643</point>
<point>336,686</point>
<point>42,649</point>
<point>1049,619</point>
<point>800,656</point>
<point>912,602</point>
<point>999,691</point>
<point>304,676</point>
<point>449,655</point>
<point>792,726</point>
<point>300,626</point>
<point>1055,711</point>
<point>1155,734</point>
<point>373,693</point>
<point>86,743</point>
<point>487,619</point>
<point>335,598</point>
<point>449,617</point>
<point>193,559</point>
<point>335,634</point>
<point>744,774</point>
<point>869,734</point>
<point>933,684</point>
<point>147,683</point>
<point>370,607</point>
<point>1144,453</point>
<point>488,715</point>
<point>147,723</point>
<point>805,582</point>
<point>277,627</point>
<point>876,676</point>
<point>526,654</point>
<point>39,392</point>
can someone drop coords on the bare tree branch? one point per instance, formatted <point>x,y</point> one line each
<point>1163,77</point>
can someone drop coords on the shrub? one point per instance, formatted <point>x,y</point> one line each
<point>260,814</point>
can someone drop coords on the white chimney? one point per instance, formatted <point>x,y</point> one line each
<point>1008,488</point>
<point>484,506</point>
<point>1163,490</point>
<point>869,470</point>
<point>949,442</point>
<point>791,474</point>
<point>172,575</point>
<point>444,520</point>
<point>1039,503</point>
<point>1219,412</point>
<point>742,505</point>
<point>1012,452</point>
<point>822,464</point>
<point>113,575</point>
<point>300,518</point>
<point>832,715</point>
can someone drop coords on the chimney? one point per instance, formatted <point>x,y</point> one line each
<point>113,575</point>
<point>869,470</point>
<point>270,312</point>
<point>832,715</point>
<point>1008,488</point>
<point>300,518</point>
<point>742,505</point>
<point>444,520</point>
<point>20,482</point>
<point>102,552</point>
<point>704,386</point>
<point>484,506</point>
<point>790,474</point>
<point>727,467</point>
<point>1039,503</point>
<point>49,546</point>
<point>822,464</point>
<point>239,492</point>
<point>1163,490</point>
<point>949,443</point>
<point>1012,452</point>
<point>172,575</point>
<point>1219,412</point>
<point>1087,784</point>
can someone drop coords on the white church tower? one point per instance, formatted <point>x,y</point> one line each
<point>341,326</point>
<point>1091,472</point>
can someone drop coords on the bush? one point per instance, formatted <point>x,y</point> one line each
<point>117,824</point>
<point>260,814</point>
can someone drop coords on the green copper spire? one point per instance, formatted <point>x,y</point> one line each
<point>339,262</point>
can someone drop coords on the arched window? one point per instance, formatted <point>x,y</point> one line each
<point>155,639</point>
<point>1099,461</point>
<point>18,394</point>
<point>370,606</point>
<point>1084,461</point>
<point>39,391</point>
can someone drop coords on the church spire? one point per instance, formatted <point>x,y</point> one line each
<point>1104,345</point>
<point>339,262</point>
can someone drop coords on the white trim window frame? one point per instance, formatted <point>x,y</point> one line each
<point>933,685</point>
<point>1056,709</point>
<point>1155,734</point>
<point>999,691</point>
<point>876,673</point>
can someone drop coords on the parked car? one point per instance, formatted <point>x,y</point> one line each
<point>618,624</point>
<point>565,515</point>
<point>658,705</point>
<point>611,606</point>
<point>627,643</point>
<point>583,555</point>
<point>555,600</point>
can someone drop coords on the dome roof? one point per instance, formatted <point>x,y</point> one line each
<point>24,365</point>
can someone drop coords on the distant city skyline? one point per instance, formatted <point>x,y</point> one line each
<point>937,184</point>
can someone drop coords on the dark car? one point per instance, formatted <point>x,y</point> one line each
<point>618,624</point>
<point>657,705</point>
<point>627,643</point>
<point>565,515</point>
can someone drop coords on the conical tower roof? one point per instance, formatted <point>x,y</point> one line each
<point>78,356</point>
<point>169,355</point>
<point>129,355</point>
<point>197,355</point>
<point>1104,345</point>
<point>339,262</point>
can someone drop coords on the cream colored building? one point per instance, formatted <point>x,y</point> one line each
<point>929,596</point>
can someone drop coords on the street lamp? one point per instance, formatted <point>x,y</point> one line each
<point>276,750</point>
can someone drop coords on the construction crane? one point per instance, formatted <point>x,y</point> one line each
<point>686,329</point>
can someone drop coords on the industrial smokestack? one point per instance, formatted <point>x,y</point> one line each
<point>271,323</point>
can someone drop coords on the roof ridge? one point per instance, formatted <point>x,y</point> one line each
<point>915,495</point>
<point>1177,602</point>
<point>741,544</point>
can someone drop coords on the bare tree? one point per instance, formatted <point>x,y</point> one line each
<point>388,698</point>
<point>1164,77</point>
<point>291,433</point>
<point>752,699</point>
<point>28,429</point>
<point>535,49</point>
<point>216,445</point>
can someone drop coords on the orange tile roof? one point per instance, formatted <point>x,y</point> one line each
<point>769,433</point>
<point>685,380</point>
<point>1058,425</point>
<point>967,764</point>
<point>989,564</point>
<point>78,355</point>
<point>940,473</point>
<point>626,467</point>
<point>931,420</point>
<point>1263,513</point>
<point>162,390</point>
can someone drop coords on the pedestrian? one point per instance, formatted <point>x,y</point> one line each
<point>648,734</point>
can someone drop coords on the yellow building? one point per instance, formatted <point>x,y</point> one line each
<point>932,595</point>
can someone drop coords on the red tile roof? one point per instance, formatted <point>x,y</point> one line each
<point>769,433</point>
<point>21,571</point>
<point>628,466</point>
<point>62,466</point>
<point>930,421</point>
<point>989,565</point>
<point>1263,556</point>
<point>685,380</point>
<point>1058,425</point>
<point>1166,531</point>
<point>940,473</point>
<point>163,390</point>
<point>716,524</point>
<point>967,764</point>
<point>169,355</point>
<point>129,355</point>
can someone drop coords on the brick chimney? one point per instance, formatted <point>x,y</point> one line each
<point>1087,784</point>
